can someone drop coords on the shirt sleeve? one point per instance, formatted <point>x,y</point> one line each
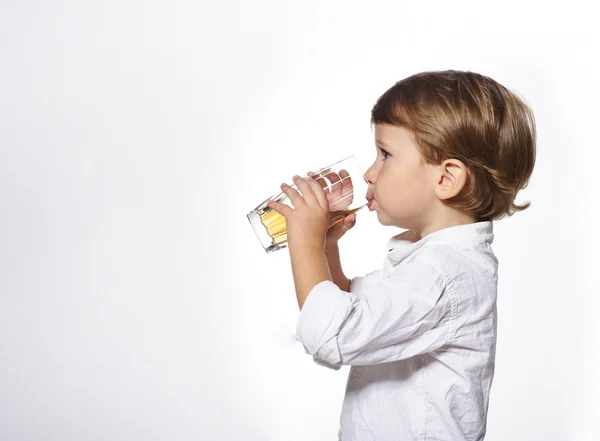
<point>382,319</point>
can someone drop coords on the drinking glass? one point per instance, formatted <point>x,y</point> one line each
<point>345,186</point>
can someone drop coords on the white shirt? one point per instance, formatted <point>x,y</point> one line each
<point>419,334</point>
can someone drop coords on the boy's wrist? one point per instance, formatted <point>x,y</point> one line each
<point>331,246</point>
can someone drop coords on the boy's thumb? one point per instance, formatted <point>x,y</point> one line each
<point>351,220</point>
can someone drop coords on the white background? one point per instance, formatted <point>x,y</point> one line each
<point>136,302</point>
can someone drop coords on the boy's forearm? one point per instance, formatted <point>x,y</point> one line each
<point>332,253</point>
<point>309,267</point>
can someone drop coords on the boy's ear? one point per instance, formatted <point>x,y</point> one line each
<point>451,179</point>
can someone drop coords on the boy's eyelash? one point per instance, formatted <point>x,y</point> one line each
<point>383,152</point>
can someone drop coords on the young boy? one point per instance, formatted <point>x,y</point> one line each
<point>453,150</point>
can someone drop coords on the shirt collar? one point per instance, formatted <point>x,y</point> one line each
<point>477,232</point>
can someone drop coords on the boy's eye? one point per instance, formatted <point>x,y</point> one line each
<point>384,153</point>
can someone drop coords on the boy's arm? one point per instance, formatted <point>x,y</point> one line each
<point>393,318</point>
<point>308,220</point>
<point>332,253</point>
<point>309,268</point>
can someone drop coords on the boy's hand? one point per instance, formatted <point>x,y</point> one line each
<point>340,196</point>
<point>335,233</point>
<point>308,221</point>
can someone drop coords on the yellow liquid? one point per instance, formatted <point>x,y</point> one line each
<point>275,224</point>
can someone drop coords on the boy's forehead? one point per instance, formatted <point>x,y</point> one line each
<point>387,134</point>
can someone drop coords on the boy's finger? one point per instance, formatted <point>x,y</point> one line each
<point>335,179</point>
<point>347,187</point>
<point>306,189</point>
<point>319,193</point>
<point>321,182</point>
<point>285,210</point>
<point>293,194</point>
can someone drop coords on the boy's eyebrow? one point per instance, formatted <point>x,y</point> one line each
<point>380,142</point>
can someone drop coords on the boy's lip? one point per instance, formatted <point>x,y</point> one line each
<point>370,198</point>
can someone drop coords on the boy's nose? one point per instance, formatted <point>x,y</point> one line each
<point>370,176</point>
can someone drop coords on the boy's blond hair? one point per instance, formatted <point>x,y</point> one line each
<point>472,118</point>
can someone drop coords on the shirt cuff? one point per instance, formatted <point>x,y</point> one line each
<point>324,311</point>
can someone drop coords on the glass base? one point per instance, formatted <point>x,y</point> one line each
<point>264,238</point>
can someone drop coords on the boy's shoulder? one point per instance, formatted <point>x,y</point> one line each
<point>452,253</point>
<point>454,260</point>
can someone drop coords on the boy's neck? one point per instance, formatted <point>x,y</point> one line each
<point>446,218</point>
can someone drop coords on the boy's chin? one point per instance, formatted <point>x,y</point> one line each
<point>391,222</point>
<point>385,220</point>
